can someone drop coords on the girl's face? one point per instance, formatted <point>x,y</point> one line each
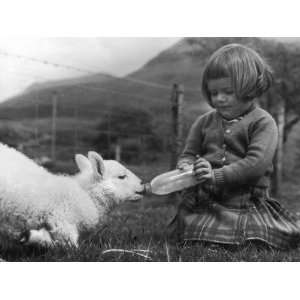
<point>224,99</point>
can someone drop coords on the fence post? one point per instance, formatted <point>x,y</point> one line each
<point>36,119</point>
<point>118,152</point>
<point>177,98</point>
<point>53,133</point>
<point>280,119</point>
<point>75,118</point>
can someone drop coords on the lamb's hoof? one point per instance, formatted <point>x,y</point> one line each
<point>24,237</point>
<point>36,237</point>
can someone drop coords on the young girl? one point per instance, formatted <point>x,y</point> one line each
<point>232,148</point>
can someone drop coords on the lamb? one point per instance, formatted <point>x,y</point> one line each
<point>53,209</point>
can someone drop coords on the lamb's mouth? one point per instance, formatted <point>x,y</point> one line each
<point>138,197</point>
<point>141,193</point>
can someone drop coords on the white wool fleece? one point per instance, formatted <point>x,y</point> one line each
<point>32,198</point>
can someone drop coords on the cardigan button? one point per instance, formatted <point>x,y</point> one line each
<point>223,159</point>
<point>227,130</point>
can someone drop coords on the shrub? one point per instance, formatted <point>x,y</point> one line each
<point>132,130</point>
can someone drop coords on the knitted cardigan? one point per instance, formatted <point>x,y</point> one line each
<point>240,154</point>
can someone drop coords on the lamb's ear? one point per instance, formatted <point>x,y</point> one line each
<point>97,163</point>
<point>82,162</point>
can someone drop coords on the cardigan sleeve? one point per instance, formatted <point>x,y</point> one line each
<point>192,145</point>
<point>259,156</point>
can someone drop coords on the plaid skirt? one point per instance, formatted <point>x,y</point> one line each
<point>234,217</point>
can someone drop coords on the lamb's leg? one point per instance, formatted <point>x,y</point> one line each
<point>40,237</point>
<point>65,234</point>
<point>60,234</point>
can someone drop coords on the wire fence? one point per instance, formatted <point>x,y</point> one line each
<point>75,136</point>
<point>134,134</point>
<point>55,127</point>
<point>58,124</point>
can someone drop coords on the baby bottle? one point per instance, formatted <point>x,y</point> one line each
<point>172,181</point>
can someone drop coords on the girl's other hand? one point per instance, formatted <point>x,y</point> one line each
<point>203,170</point>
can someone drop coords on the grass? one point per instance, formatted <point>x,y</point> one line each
<point>135,232</point>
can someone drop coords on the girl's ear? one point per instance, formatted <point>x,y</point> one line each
<point>97,163</point>
<point>83,163</point>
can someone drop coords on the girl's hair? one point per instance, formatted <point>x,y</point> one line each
<point>251,76</point>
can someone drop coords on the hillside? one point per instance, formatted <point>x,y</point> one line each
<point>181,63</point>
<point>90,79</point>
<point>82,103</point>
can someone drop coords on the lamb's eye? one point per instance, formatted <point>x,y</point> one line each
<point>122,176</point>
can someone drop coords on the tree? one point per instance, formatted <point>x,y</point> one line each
<point>131,129</point>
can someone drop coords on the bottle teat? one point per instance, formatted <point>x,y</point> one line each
<point>147,188</point>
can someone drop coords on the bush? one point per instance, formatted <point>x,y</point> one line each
<point>132,130</point>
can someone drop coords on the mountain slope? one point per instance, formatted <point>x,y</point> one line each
<point>182,63</point>
<point>83,103</point>
<point>90,79</point>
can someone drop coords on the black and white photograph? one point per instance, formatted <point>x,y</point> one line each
<point>182,149</point>
<point>149,150</point>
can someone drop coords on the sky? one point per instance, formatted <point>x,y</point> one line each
<point>116,56</point>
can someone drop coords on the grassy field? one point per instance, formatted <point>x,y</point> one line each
<point>136,232</point>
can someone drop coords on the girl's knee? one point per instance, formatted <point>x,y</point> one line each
<point>189,199</point>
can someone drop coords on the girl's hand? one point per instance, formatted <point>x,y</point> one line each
<point>184,167</point>
<point>203,170</point>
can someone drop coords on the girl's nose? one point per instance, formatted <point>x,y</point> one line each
<point>221,97</point>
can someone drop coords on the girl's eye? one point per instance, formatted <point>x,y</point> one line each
<point>213,93</point>
<point>229,92</point>
<point>122,176</point>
